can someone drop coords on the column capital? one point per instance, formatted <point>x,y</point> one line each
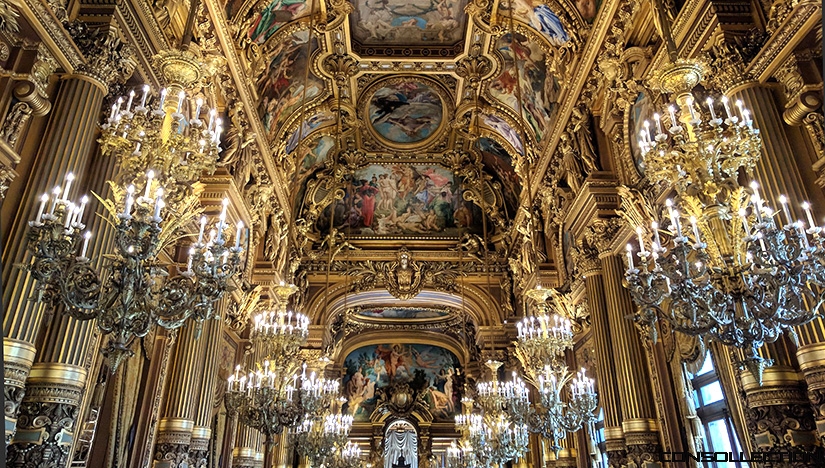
<point>109,60</point>
<point>586,260</point>
<point>602,234</point>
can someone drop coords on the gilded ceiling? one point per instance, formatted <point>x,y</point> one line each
<point>415,82</point>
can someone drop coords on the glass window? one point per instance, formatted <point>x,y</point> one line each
<point>712,409</point>
<point>711,393</point>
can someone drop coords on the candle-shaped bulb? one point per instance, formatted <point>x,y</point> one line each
<point>86,236</point>
<point>238,232</point>
<point>149,176</point>
<point>69,179</point>
<point>145,94</point>
<point>181,96</point>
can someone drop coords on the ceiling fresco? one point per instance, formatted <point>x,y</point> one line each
<point>286,83</point>
<point>402,74</point>
<point>407,111</point>
<point>419,27</point>
<point>539,90</point>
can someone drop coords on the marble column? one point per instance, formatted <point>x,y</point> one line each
<point>178,422</point>
<point>635,393</point>
<point>590,267</point>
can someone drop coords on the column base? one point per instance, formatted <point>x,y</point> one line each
<point>243,457</point>
<point>778,415</point>
<point>643,449</point>
<point>18,359</point>
<point>46,421</point>
<point>812,362</point>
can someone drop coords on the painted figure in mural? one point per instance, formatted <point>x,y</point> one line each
<point>405,112</point>
<point>435,369</point>
<point>270,20</point>
<point>541,18</point>
<point>400,199</point>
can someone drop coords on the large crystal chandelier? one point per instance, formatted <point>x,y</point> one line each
<point>542,335</point>
<point>566,403</point>
<point>726,267</point>
<point>555,416</point>
<point>499,433</point>
<point>158,150</point>
<point>269,398</point>
<point>323,433</point>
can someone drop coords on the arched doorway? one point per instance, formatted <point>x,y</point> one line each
<point>400,445</point>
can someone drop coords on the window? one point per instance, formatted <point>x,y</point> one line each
<point>712,409</point>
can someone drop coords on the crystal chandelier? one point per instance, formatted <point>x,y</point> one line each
<point>499,433</point>
<point>727,268</point>
<point>556,416</point>
<point>322,433</point>
<point>542,336</point>
<point>134,291</point>
<point>348,456</point>
<point>269,398</point>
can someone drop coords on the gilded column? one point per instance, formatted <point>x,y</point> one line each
<point>178,422</point>
<point>778,410</point>
<point>635,395</point>
<point>202,433</point>
<point>248,451</point>
<point>589,266</point>
<point>638,410</point>
<point>67,147</point>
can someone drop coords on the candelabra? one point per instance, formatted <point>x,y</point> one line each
<point>134,292</point>
<point>171,139</point>
<point>554,417</point>
<point>461,455</point>
<point>349,456</point>
<point>741,274</point>
<point>542,336</point>
<point>511,398</point>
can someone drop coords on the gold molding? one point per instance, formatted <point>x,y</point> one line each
<point>639,425</point>
<point>201,433</point>
<point>613,433</point>
<point>176,425</point>
<point>776,376</point>
<point>810,356</point>
<point>56,373</point>
<point>18,351</point>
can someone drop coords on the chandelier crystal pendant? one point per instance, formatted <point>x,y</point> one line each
<point>728,268</point>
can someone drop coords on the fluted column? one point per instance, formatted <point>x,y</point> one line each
<point>247,453</point>
<point>778,172</point>
<point>202,433</point>
<point>589,266</point>
<point>637,403</point>
<point>67,147</point>
<point>178,422</point>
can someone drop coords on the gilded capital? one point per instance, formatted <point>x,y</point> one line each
<point>109,60</point>
<point>602,233</point>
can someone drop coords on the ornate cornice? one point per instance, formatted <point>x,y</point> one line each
<point>52,32</point>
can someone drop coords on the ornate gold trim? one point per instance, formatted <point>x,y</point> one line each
<point>810,356</point>
<point>56,373</point>
<point>639,425</point>
<point>775,376</point>
<point>176,425</point>
<point>17,351</point>
<point>201,433</point>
